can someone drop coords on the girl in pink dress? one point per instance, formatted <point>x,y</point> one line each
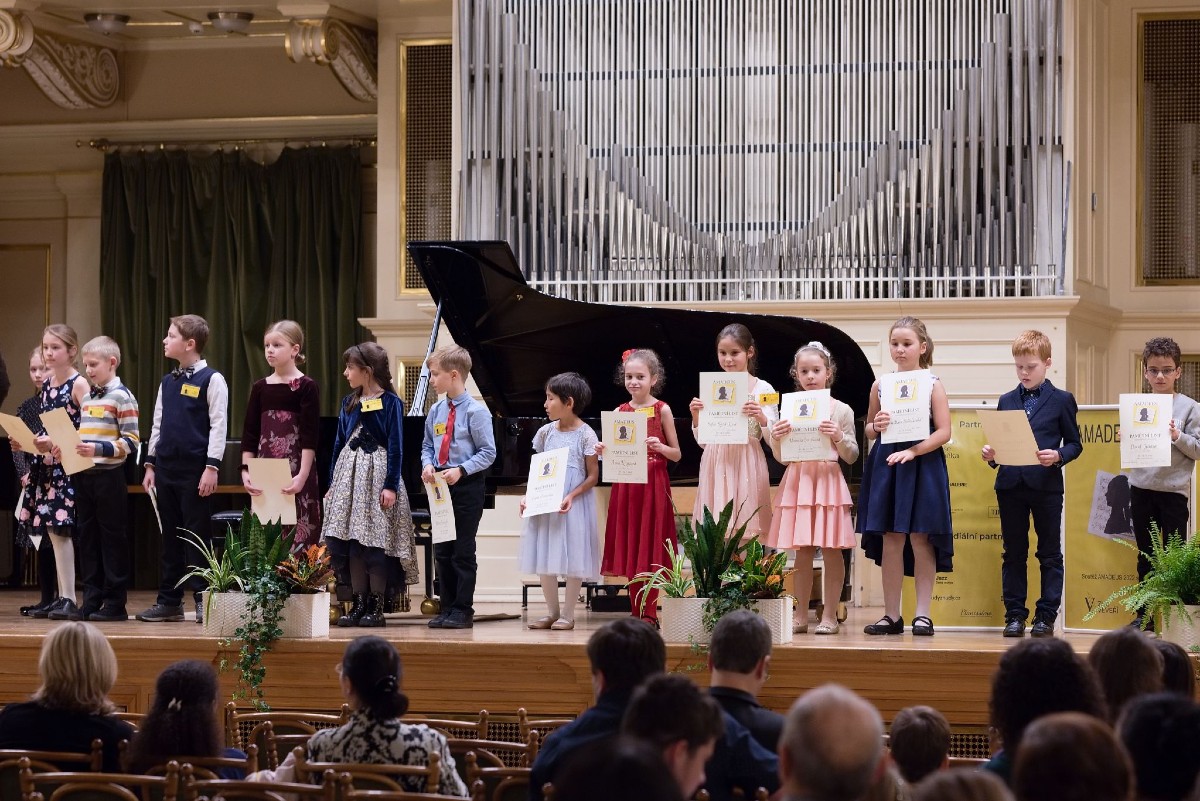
<point>812,504</point>
<point>282,421</point>
<point>640,532</point>
<point>738,473</point>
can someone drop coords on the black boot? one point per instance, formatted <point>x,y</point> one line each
<point>352,618</point>
<point>374,616</point>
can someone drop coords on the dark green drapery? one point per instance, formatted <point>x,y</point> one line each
<point>241,244</point>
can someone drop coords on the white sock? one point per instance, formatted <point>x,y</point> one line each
<point>550,591</point>
<point>64,562</point>
<point>571,596</point>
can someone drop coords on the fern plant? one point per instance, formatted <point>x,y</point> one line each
<point>1172,583</point>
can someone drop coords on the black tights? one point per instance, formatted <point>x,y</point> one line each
<point>361,567</point>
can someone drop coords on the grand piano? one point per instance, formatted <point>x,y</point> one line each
<point>518,337</point>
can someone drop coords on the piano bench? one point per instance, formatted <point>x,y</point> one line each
<point>589,590</point>
<point>221,523</point>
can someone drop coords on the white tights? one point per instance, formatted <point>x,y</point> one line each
<point>64,562</point>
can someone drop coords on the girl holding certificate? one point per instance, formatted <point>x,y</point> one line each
<point>812,506</point>
<point>738,473</point>
<point>904,503</point>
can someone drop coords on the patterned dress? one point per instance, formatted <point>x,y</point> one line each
<point>50,497</point>
<point>28,463</point>
<point>281,421</point>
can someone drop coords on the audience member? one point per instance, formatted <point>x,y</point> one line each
<point>182,722</point>
<point>1070,756</point>
<point>1161,733</point>
<point>832,746</point>
<point>1035,678</point>
<point>370,675</point>
<point>672,715</point>
<point>1179,674</point>
<point>920,742</point>
<point>622,654</point>
<point>1128,664</point>
<point>960,784</point>
<point>71,707</point>
<point>888,785</point>
<point>616,768</point>
<point>739,657</point>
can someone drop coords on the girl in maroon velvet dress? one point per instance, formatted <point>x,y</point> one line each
<point>282,420</point>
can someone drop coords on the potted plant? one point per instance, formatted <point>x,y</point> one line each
<point>755,581</point>
<point>1170,592</point>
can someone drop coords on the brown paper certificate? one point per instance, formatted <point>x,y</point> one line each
<point>1010,436</point>
<point>271,476</point>
<point>15,428</point>
<point>65,436</point>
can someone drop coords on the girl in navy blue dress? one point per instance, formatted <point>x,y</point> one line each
<point>904,503</point>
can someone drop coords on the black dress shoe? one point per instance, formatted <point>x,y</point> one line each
<point>459,620</point>
<point>1015,627</point>
<point>67,610</point>
<point>1042,629</point>
<point>43,606</point>
<point>885,625</point>
<point>43,612</point>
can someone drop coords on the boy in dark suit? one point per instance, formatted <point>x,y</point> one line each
<point>1035,490</point>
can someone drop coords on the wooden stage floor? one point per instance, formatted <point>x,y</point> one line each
<point>502,666</point>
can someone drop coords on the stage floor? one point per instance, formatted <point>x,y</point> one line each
<point>501,665</point>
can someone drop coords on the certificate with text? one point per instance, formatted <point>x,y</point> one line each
<point>547,482</point>
<point>805,411</point>
<point>906,397</point>
<point>721,419</point>
<point>1145,430</point>
<point>625,457</point>
<point>441,510</point>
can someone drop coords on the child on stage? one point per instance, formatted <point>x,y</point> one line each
<point>28,466</point>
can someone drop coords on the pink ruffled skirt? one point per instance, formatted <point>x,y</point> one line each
<point>812,508</point>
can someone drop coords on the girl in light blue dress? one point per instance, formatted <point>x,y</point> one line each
<point>567,542</point>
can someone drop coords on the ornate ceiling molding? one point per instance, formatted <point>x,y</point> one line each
<point>350,51</point>
<point>71,74</point>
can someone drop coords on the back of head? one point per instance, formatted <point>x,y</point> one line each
<point>1161,733</point>
<point>961,784</point>
<point>668,708</point>
<point>739,640</point>
<point>626,652</point>
<point>919,742</point>
<point>192,326</point>
<point>1038,677</point>
<point>616,768</point>
<point>832,744</point>
<point>1128,664</point>
<point>1179,674</point>
<point>1070,756</point>
<point>372,666</point>
<point>371,356</point>
<point>182,720</point>
<point>78,669</point>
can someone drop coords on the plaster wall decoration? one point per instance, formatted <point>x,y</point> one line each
<point>71,74</point>
<point>350,51</point>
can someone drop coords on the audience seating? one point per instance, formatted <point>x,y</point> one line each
<point>278,746</point>
<point>542,726</point>
<point>57,786</point>
<point>240,725</point>
<point>367,776</point>
<point>967,762</point>
<point>465,729</point>
<point>207,767</point>
<point>499,783</point>
<point>476,794</point>
<point>237,790</point>
<point>497,753</point>
<point>44,762</point>
<point>134,719</point>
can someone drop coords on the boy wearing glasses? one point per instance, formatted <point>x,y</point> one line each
<point>1160,494</point>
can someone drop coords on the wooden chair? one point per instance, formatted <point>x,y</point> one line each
<point>465,729</point>
<point>967,762</point>
<point>542,726</point>
<point>134,719</point>
<point>368,776</point>
<point>59,786</point>
<point>500,784</point>
<point>44,762</point>
<point>206,767</point>
<point>476,794</point>
<point>497,753</point>
<point>238,790</point>
<point>240,724</point>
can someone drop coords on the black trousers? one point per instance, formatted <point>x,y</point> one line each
<point>101,514</point>
<point>1168,509</point>
<point>457,567</point>
<point>181,509</point>
<point>1016,507</point>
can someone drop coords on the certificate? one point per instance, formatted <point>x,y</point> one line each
<point>805,411</point>
<point>65,436</point>
<point>625,458</point>
<point>547,482</point>
<point>721,419</point>
<point>15,427</point>
<point>1145,430</point>
<point>1010,436</point>
<point>905,396</point>
<point>441,510</point>
<point>271,476</point>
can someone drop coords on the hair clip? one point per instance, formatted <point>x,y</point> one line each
<point>175,704</point>
<point>625,356</point>
<point>814,345</point>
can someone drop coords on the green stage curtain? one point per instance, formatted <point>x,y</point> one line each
<point>240,243</point>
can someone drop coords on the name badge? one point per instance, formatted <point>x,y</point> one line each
<point>372,405</point>
<point>646,410</point>
<point>191,390</point>
<point>439,428</point>
<point>769,399</point>
<point>95,411</point>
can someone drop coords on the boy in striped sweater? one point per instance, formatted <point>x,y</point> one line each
<point>109,429</point>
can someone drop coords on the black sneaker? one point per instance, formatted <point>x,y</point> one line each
<point>1015,627</point>
<point>459,619</point>
<point>44,612</point>
<point>160,613</point>
<point>438,621</point>
<point>108,614</point>
<point>67,610</point>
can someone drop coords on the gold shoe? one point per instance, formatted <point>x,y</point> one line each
<point>799,628</point>
<point>825,628</point>
<point>542,623</point>
<point>562,624</point>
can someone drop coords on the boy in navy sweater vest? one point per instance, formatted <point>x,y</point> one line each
<point>185,450</point>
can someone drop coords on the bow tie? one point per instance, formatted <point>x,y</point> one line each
<point>183,372</point>
<point>98,392</point>
<point>1031,393</point>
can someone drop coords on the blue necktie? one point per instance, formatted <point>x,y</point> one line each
<point>1031,400</point>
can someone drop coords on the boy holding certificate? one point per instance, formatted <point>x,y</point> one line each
<point>1034,490</point>
<point>1160,494</point>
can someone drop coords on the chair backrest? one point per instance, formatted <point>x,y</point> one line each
<point>239,723</point>
<point>500,783</point>
<point>476,794</point>
<point>134,719</point>
<point>241,790</point>
<point>967,762</point>
<point>208,767</point>
<point>43,762</point>
<point>361,775</point>
<point>80,785</point>
<point>498,753</point>
<point>466,729</point>
<point>275,745</point>
<point>542,726</point>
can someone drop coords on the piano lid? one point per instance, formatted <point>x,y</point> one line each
<point>518,336</point>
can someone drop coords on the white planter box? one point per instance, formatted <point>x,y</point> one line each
<point>304,616</point>
<point>778,614</point>
<point>682,619</point>
<point>1182,632</point>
